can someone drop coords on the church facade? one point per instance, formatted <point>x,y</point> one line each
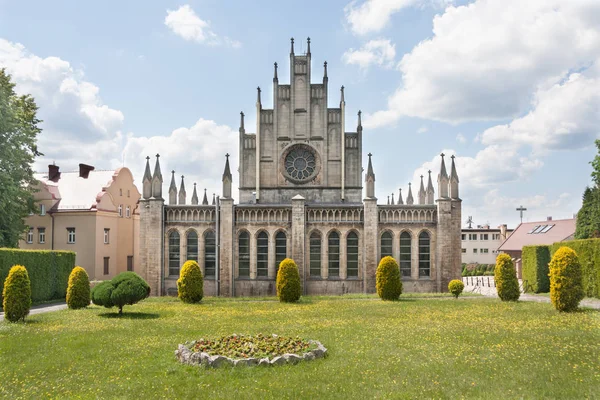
<point>300,197</point>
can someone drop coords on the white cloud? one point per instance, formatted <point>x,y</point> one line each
<point>460,138</point>
<point>422,129</point>
<point>185,23</point>
<point>379,52</point>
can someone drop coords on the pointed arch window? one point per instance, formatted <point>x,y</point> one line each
<point>192,245</point>
<point>315,254</point>
<point>210,254</point>
<point>405,254</point>
<point>352,255</point>
<point>262,254</point>
<point>386,244</point>
<point>244,254</point>
<point>424,254</point>
<point>334,254</point>
<point>174,260</point>
<point>280,249</point>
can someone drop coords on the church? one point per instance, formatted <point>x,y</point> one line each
<point>301,197</point>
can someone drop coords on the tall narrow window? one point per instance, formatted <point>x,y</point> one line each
<point>106,265</point>
<point>352,255</point>
<point>405,254</point>
<point>192,245</point>
<point>30,235</point>
<point>42,209</point>
<point>174,261</point>
<point>334,254</point>
<point>128,212</point>
<point>424,254</point>
<point>120,210</point>
<point>210,254</point>
<point>280,249</point>
<point>106,236</point>
<point>315,254</point>
<point>70,235</point>
<point>262,254</point>
<point>42,235</point>
<point>129,263</point>
<point>244,254</point>
<point>386,244</point>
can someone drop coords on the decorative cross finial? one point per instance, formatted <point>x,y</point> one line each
<point>148,158</point>
<point>227,155</point>
<point>429,172</point>
<point>369,155</point>
<point>409,183</point>
<point>194,183</point>
<point>157,155</point>
<point>442,155</point>
<point>182,176</point>
<point>452,156</point>
<point>421,176</point>
<point>173,172</point>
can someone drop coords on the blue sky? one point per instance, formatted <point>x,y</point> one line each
<point>512,90</point>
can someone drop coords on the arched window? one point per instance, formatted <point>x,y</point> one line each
<point>192,246</point>
<point>424,254</point>
<point>315,254</point>
<point>334,254</point>
<point>386,244</point>
<point>244,254</point>
<point>210,254</point>
<point>262,254</point>
<point>352,255</point>
<point>405,254</point>
<point>174,261</point>
<point>280,249</point>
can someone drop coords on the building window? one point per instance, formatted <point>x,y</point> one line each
<point>483,236</point>
<point>174,253</point>
<point>262,254</point>
<point>405,254</point>
<point>30,235</point>
<point>106,265</point>
<point>474,251</point>
<point>472,236</point>
<point>464,236</point>
<point>334,254</point>
<point>484,251</point>
<point>280,249</point>
<point>210,254</point>
<point>128,212</point>
<point>352,255</point>
<point>128,192</point>
<point>42,235</point>
<point>315,254</point>
<point>129,263</point>
<point>42,209</point>
<point>192,245</point>
<point>106,236</point>
<point>496,236</point>
<point>464,250</point>
<point>244,254</point>
<point>424,254</point>
<point>70,235</point>
<point>120,210</point>
<point>386,244</point>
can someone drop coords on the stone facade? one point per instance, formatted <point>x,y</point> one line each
<point>300,195</point>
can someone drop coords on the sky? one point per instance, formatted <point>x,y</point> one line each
<point>512,88</point>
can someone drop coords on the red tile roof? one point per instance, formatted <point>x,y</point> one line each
<point>562,229</point>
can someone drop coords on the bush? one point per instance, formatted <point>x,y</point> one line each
<point>48,271</point>
<point>505,276</point>
<point>288,281</point>
<point>78,291</point>
<point>456,287</point>
<point>16,294</point>
<point>387,279</point>
<point>588,253</point>
<point>566,290</point>
<point>535,268</point>
<point>190,285</point>
<point>127,288</point>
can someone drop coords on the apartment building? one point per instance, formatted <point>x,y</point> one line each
<point>480,245</point>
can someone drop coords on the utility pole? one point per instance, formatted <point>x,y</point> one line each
<point>520,210</point>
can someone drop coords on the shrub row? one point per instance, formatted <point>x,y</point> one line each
<point>48,271</point>
<point>478,269</point>
<point>535,268</point>
<point>588,253</point>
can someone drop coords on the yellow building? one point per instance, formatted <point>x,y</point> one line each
<point>93,213</point>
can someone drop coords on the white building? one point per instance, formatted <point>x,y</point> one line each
<point>480,245</point>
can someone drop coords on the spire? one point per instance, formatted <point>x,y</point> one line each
<point>147,180</point>
<point>393,199</point>
<point>157,173</point>
<point>292,50</point>
<point>370,179</point>
<point>214,203</point>
<point>409,199</point>
<point>275,79</point>
<point>173,190</point>
<point>443,179</point>
<point>325,70</point>
<point>308,46</point>
<point>342,101</point>
<point>453,180</point>
<point>195,196</point>
<point>429,191</point>
<point>388,201</point>
<point>422,192</point>
<point>370,167</point>
<point>359,127</point>
<point>157,180</point>
<point>443,167</point>
<point>182,193</point>
<point>258,96</point>
<point>227,179</point>
<point>242,129</point>
<point>205,199</point>
<point>400,197</point>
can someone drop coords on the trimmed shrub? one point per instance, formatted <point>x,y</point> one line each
<point>588,253</point>
<point>127,288</point>
<point>456,287</point>
<point>190,285</point>
<point>535,268</point>
<point>78,291</point>
<point>387,279</point>
<point>288,284</point>
<point>16,294</point>
<point>505,276</point>
<point>48,271</point>
<point>566,290</point>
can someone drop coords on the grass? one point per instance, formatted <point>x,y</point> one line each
<point>414,348</point>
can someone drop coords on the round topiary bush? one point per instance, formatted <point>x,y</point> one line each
<point>190,285</point>
<point>16,294</point>
<point>506,280</point>
<point>456,287</point>
<point>78,290</point>
<point>127,288</point>
<point>387,279</point>
<point>288,285</point>
<point>566,288</point>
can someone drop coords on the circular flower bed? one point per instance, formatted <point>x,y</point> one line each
<point>242,350</point>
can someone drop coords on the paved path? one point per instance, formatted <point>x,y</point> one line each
<point>42,308</point>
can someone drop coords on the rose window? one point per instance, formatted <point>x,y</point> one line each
<point>300,164</point>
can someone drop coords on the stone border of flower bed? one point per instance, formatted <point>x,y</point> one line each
<point>186,356</point>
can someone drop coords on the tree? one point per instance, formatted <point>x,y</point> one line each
<point>588,217</point>
<point>505,276</point>
<point>387,279</point>
<point>125,288</point>
<point>289,288</point>
<point>18,135</point>
<point>190,285</point>
<point>16,294</point>
<point>78,290</point>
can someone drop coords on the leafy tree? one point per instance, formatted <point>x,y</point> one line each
<point>18,135</point>
<point>127,288</point>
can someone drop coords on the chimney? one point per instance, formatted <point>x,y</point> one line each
<point>549,218</point>
<point>84,170</point>
<point>53,173</point>
<point>503,229</point>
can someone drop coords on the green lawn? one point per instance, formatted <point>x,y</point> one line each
<point>415,348</point>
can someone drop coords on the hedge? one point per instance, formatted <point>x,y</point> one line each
<point>48,271</point>
<point>535,268</point>
<point>588,253</point>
